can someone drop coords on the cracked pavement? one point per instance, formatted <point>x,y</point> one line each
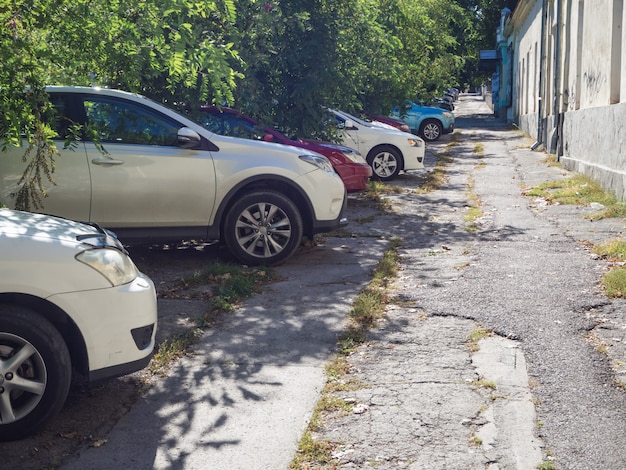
<point>538,389</point>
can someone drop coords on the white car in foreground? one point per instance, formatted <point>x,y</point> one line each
<point>153,175</point>
<point>387,150</point>
<point>71,300</point>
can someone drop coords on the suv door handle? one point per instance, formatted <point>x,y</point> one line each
<point>103,161</point>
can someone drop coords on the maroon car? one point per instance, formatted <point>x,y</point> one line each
<point>397,123</point>
<point>348,163</point>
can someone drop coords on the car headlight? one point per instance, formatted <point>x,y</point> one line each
<point>114,265</point>
<point>416,142</point>
<point>448,115</point>
<point>319,161</point>
<point>353,156</point>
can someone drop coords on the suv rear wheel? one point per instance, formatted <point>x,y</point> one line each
<point>263,227</point>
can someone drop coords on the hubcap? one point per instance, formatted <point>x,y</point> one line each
<point>263,230</point>
<point>384,164</point>
<point>22,378</point>
<point>431,132</point>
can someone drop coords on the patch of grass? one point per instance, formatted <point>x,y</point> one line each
<point>375,192</point>
<point>311,450</point>
<point>439,175</point>
<point>578,190</point>
<point>479,149</point>
<point>476,441</point>
<point>475,336</point>
<point>614,283</point>
<point>547,465</point>
<point>229,285</point>
<point>552,160</point>
<point>474,212</point>
<point>614,250</point>
<point>482,383</point>
<point>171,349</point>
<point>498,396</point>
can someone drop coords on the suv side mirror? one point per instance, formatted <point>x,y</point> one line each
<point>188,138</point>
<point>349,125</point>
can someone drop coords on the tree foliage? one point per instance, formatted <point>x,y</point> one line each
<point>281,61</point>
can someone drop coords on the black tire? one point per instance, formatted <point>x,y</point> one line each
<point>431,130</point>
<point>33,351</point>
<point>386,162</point>
<point>263,228</point>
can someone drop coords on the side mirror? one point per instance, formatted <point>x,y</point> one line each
<point>267,137</point>
<point>349,125</point>
<point>188,138</point>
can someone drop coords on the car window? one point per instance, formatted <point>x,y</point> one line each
<point>231,125</point>
<point>110,120</point>
<point>63,117</point>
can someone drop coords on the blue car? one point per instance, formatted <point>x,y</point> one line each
<point>428,122</point>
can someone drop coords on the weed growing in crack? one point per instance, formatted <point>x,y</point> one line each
<point>475,336</point>
<point>474,212</point>
<point>482,383</point>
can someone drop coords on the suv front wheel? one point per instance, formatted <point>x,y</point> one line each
<point>263,227</point>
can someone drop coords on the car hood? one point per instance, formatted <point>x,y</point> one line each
<point>312,143</point>
<point>14,224</point>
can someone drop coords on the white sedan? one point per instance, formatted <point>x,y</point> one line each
<point>70,300</point>
<point>387,150</point>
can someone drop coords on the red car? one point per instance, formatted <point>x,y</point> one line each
<point>397,123</point>
<point>348,163</point>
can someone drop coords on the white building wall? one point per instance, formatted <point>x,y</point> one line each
<point>623,67</point>
<point>596,53</point>
<point>527,63</point>
<point>590,85</point>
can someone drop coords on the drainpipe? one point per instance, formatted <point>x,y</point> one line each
<point>556,132</point>
<point>544,18</point>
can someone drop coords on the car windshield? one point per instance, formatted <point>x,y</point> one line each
<point>350,117</point>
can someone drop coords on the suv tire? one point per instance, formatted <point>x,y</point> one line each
<point>263,227</point>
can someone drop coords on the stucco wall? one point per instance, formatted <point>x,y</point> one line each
<point>596,53</point>
<point>595,144</point>
<point>528,124</point>
<point>527,63</point>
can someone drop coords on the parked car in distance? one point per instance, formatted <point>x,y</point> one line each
<point>428,122</point>
<point>347,162</point>
<point>151,174</point>
<point>71,300</point>
<point>388,151</point>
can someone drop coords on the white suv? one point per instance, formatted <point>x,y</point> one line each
<point>387,150</point>
<point>70,300</point>
<point>149,173</point>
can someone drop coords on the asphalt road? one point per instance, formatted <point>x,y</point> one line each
<point>242,398</point>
